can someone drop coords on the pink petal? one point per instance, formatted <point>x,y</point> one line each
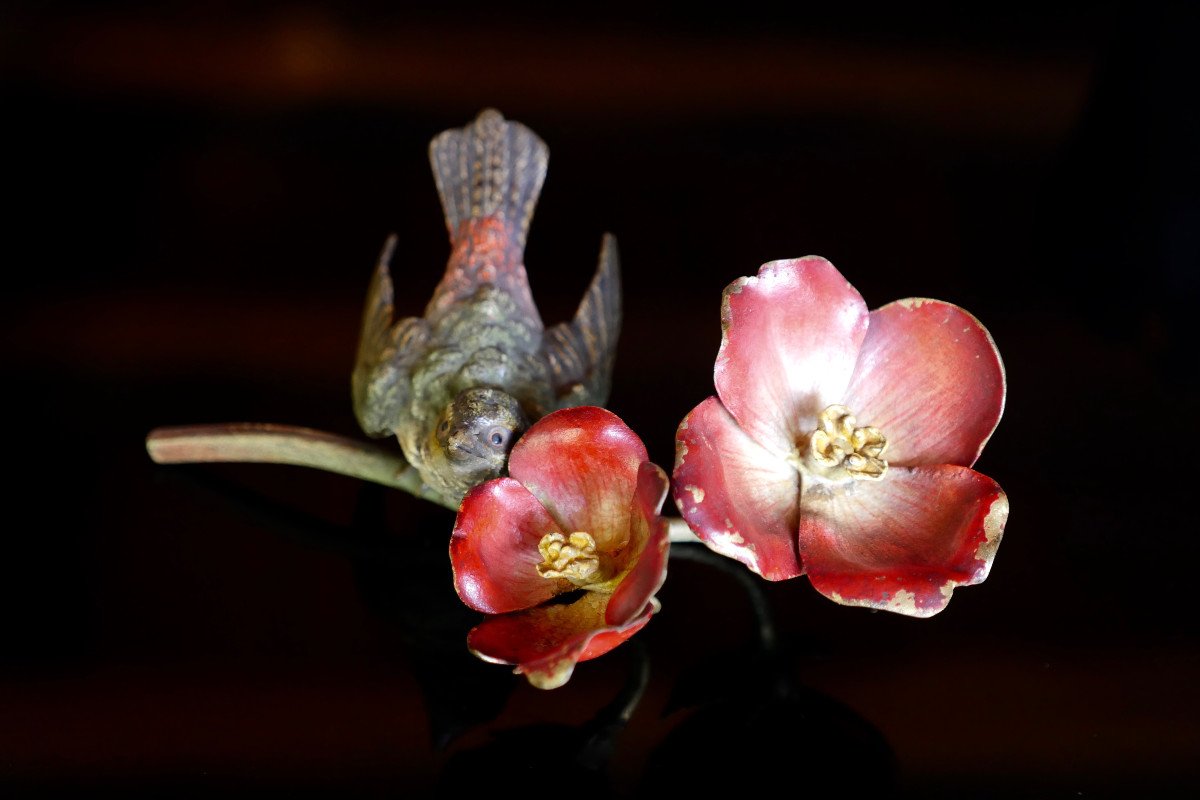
<point>930,378</point>
<point>546,642</point>
<point>494,548</point>
<point>582,464</point>
<point>648,533</point>
<point>791,337</point>
<point>739,499</point>
<point>902,543</point>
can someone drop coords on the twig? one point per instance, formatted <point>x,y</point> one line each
<point>266,443</point>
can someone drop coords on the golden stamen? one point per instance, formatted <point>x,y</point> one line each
<point>573,557</point>
<point>839,444</point>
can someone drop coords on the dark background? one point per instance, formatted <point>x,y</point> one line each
<point>196,197</point>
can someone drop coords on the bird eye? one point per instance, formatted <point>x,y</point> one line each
<point>443,426</point>
<point>497,437</point>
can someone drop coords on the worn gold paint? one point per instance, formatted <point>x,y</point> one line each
<point>732,544</point>
<point>905,602</point>
<point>901,602</point>
<point>993,528</point>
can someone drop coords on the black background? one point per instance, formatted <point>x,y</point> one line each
<point>195,200</point>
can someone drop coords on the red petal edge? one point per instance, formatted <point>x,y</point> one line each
<point>494,548</point>
<point>740,499</point>
<point>547,642</point>
<point>929,376</point>
<point>649,530</point>
<point>904,543</point>
<point>582,464</point>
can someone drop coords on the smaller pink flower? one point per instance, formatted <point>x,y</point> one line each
<point>568,551</point>
<point>840,442</point>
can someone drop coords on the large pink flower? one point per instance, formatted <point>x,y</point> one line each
<point>568,551</point>
<point>841,441</point>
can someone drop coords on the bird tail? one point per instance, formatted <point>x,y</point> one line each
<point>490,168</point>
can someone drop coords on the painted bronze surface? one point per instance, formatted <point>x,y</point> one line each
<point>459,385</point>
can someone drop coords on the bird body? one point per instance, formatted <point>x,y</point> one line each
<point>459,385</point>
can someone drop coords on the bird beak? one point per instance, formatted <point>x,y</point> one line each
<point>460,443</point>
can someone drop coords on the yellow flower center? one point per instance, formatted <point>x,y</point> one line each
<point>840,447</point>
<point>573,557</point>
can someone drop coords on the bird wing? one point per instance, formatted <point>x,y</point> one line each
<point>386,351</point>
<point>580,353</point>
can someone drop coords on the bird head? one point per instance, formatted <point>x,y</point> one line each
<point>474,434</point>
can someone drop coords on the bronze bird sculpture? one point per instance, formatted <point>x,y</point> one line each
<point>459,385</point>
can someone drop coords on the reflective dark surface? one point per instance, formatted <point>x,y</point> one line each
<point>199,198</point>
